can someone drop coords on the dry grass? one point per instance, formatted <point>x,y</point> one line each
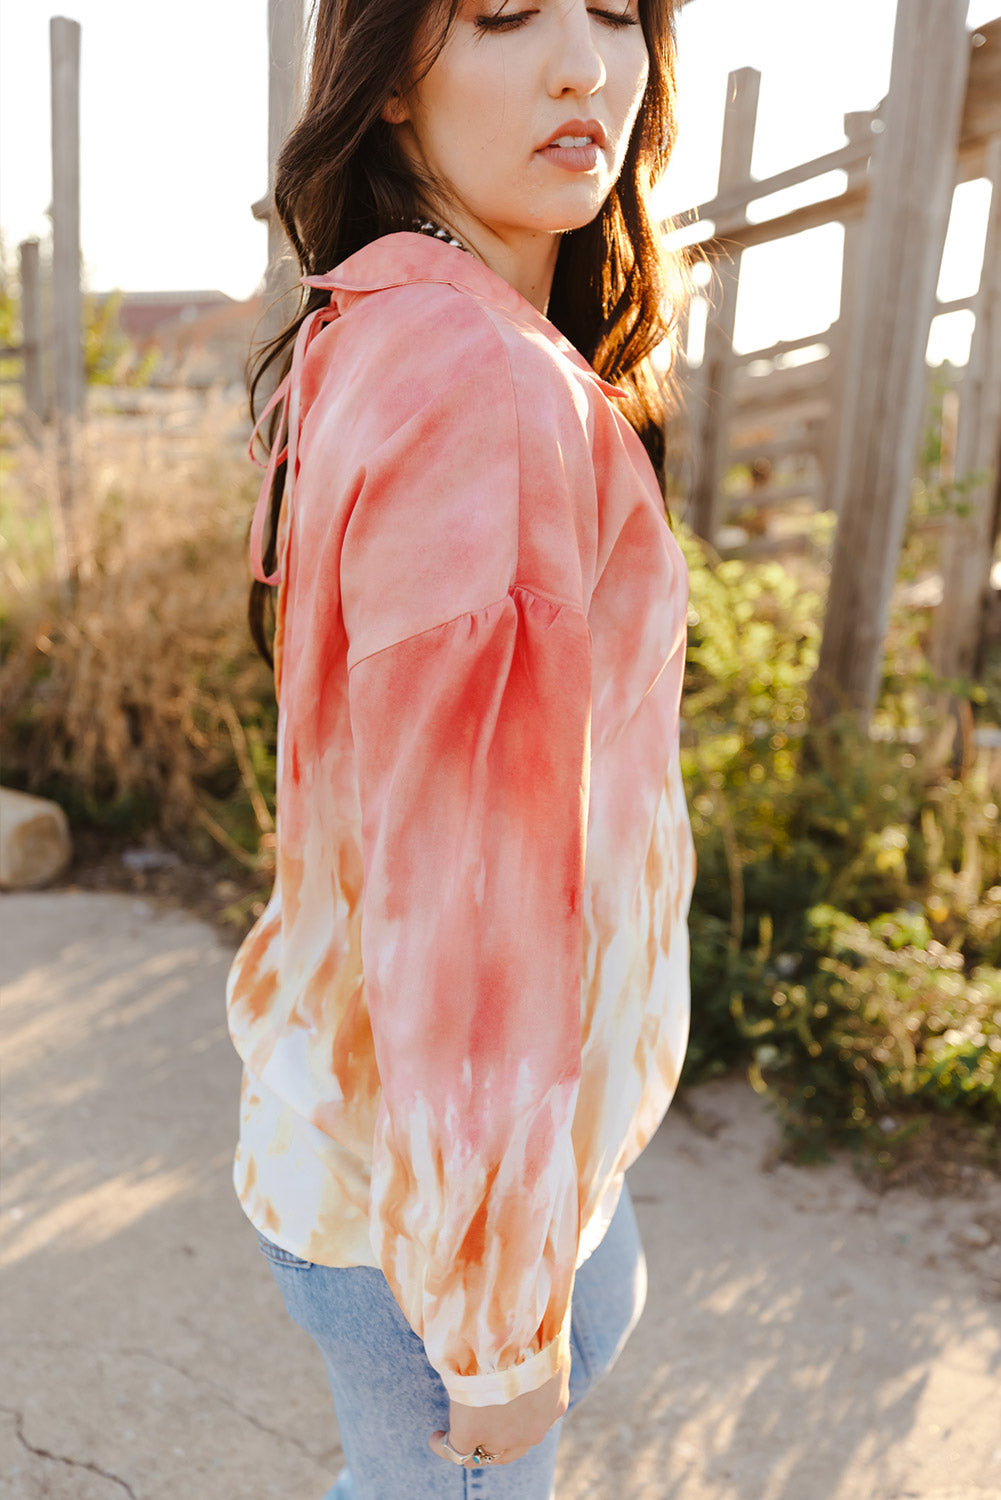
<point>134,694</point>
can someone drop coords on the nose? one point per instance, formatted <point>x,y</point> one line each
<point>576,65</point>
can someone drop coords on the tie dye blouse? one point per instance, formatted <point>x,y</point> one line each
<point>463,1013</point>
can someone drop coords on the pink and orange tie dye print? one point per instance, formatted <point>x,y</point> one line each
<point>463,1013</point>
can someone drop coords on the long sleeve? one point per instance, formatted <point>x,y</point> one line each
<point>471,741</point>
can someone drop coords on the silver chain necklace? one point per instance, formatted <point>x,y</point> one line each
<point>429,227</point>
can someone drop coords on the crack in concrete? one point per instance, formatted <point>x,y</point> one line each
<point>205,1381</point>
<point>225,1399</point>
<point>61,1458</point>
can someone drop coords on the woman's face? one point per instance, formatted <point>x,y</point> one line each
<point>525,115</point>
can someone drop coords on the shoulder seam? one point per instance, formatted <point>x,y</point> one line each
<point>465,614</point>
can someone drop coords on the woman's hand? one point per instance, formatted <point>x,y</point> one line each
<point>507,1431</point>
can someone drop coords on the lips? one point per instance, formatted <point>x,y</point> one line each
<point>577,134</point>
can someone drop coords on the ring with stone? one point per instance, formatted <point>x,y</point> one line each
<point>477,1457</point>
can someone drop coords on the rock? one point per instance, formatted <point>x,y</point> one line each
<point>35,845</point>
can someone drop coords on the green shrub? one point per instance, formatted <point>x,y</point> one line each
<point>846,921</point>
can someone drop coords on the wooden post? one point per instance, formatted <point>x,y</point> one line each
<point>968,539</point>
<point>679,404</point>
<point>858,128</point>
<point>710,393</point>
<point>286,34</point>
<point>914,170</point>
<point>67,302</point>
<point>31,330</point>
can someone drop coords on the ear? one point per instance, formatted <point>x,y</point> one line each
<point>395,111</point>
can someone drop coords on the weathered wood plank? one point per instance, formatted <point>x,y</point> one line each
<point>968,539</point>
<point>726,205</point>
<point>858,129</point>
<point>286,32</point>
<point>709,396</point>
<point>67,300</point>
<point>31,330</point>
<point>66,295</point>
<point>773,449</point>
<point>956,304</point>
<point>791,384</point>
<point>982,106</point>
<point>786,346</point>
<point>774,494</point>
<point>914,170</point>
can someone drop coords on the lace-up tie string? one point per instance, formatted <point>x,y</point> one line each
<point>285,447</point>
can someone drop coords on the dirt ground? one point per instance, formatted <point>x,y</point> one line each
<point>805,1338</point>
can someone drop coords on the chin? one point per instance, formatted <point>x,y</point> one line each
<point>579,220</point>
<point>565,217</point>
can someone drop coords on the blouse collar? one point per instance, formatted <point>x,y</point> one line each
<point>399,259</point>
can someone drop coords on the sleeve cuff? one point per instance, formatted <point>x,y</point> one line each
<point>498,1387</point>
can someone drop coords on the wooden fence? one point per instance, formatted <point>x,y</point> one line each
<point>853,418</point>
<point>850,420</point>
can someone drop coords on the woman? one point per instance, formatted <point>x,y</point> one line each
<point>478,643</point>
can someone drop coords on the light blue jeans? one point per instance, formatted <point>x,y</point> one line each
<point>388,1398</point>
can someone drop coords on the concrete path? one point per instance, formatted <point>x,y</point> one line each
<point>803,1339</point>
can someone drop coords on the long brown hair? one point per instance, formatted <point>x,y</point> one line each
<point>342,180</point>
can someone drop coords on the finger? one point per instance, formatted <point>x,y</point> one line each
<point>436,1442</point>
<point>509,1456</point>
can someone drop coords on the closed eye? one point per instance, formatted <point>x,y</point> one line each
<point>512,20</point>
<point>504,20</point>
<point>616,17</point>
